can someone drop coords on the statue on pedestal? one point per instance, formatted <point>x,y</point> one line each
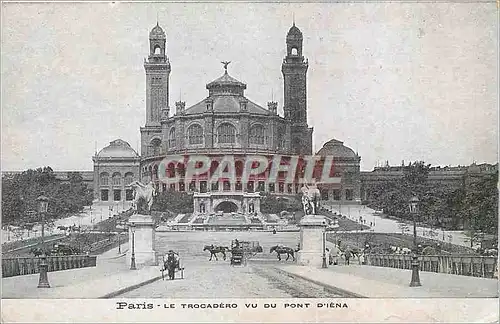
<point>310,199</point>
<point>145,194</point>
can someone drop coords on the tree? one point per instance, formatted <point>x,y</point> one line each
<point>479,209</point>
<point>19,194</point>
<point>174,201</point>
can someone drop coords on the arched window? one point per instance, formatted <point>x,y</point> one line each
<point>157,50</point>
<point>251,208</point>
<point>202,208</point>
<point>226,134</point>
<point>195,134</point>
<point>294,51</point>
<point>129,177</point>
<point>281,138</point>
<point>155,145</point>
<point>104,179</point>
<point>171,137</point>
<point>117,179</point>
<point>257,134</point>
<point>155,171</point>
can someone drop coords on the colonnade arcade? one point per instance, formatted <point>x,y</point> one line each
<point>342,191</point>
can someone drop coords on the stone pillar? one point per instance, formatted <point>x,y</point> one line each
<point>312,228</point>
<point>144,238</point>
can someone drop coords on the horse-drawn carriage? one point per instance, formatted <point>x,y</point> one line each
<point>243,250</point>
<point>171,264</point>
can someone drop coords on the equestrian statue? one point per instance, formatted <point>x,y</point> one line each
<point>310,199</point>
<point>144,193</point>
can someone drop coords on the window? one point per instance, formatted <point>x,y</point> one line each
<point>226,186</point>
<point>117,195</point>
<point>157,50</point>
<point>192,186</point>
<point>250,186</point>
<point>261,186</point>
<point>226,134</point>
<point>129,177</point>
<point>281,139</point>
<point>117,179</point>
<point>251,208</point>
<point>239,186</point>
<point>155,146</point>
<point>215,186</point>
<point>104,195</point>
<point>171,137</point>
<point>203,186</point>
<point>271,187</point>
<point>104,179</point>
<point>257,135</point>
<point>182,186</point>
<point>294,51</point>
<point>336,194</point>
<point>281,187</point>
<point>202,208</point>
<point>289,188</point>
<point>348,194</point>
<point>195,134</point>
<point>129,194</point>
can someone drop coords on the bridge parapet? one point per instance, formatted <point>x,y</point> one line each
<point>465,265</point>
<point>30,265</point>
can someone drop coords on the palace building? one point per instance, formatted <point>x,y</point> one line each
<point>226,122</point>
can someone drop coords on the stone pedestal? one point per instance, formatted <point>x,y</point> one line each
<point>312,229</point>
<point>143,240</point>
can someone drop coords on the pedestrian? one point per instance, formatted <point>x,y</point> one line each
<point>362,259</point>
<point>347,256</point>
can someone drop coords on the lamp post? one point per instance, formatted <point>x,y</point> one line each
<point>415,278</point>
<point>132,261</point>
<point>324,265</point>
<point>334,226</point>
<point>43,282</point>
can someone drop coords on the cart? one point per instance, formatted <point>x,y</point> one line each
<point>172,269</point>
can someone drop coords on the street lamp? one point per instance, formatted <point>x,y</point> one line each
<point>132,261</point>
<point>43,282</point>
<point>335,226</point>
<point>415,278</point>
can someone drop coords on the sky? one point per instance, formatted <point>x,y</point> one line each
<point>393,81</point>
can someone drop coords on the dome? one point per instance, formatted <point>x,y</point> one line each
<point>118,149</point>
<point>336,148</point>
<point>226,80</point>
<point>157,33</point>
<point>226,84</point>
<point>294,33</point>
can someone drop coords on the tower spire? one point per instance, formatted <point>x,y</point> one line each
<point>293,18</point>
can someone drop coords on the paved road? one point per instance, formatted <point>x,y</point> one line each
<point>218,279</point>
<point>386,225</point>
<point>87,217</point>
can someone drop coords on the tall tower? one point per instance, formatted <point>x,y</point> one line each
<point>157,69</point>
<point>157,74</point>
<point>294,69</point>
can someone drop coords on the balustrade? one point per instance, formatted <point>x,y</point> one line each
<point>30,265</point>
<point>466,265</point>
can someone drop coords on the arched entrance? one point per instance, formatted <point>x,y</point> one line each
<point>227,207</point>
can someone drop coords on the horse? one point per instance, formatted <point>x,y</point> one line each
<point>310,199</point>
<point>214,250</point>
<point>142,191</point>
<point>283,250</point>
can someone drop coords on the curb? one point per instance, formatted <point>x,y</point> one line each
<point>339,291</point>
<point>130,288</point>
<point>116,256</point>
